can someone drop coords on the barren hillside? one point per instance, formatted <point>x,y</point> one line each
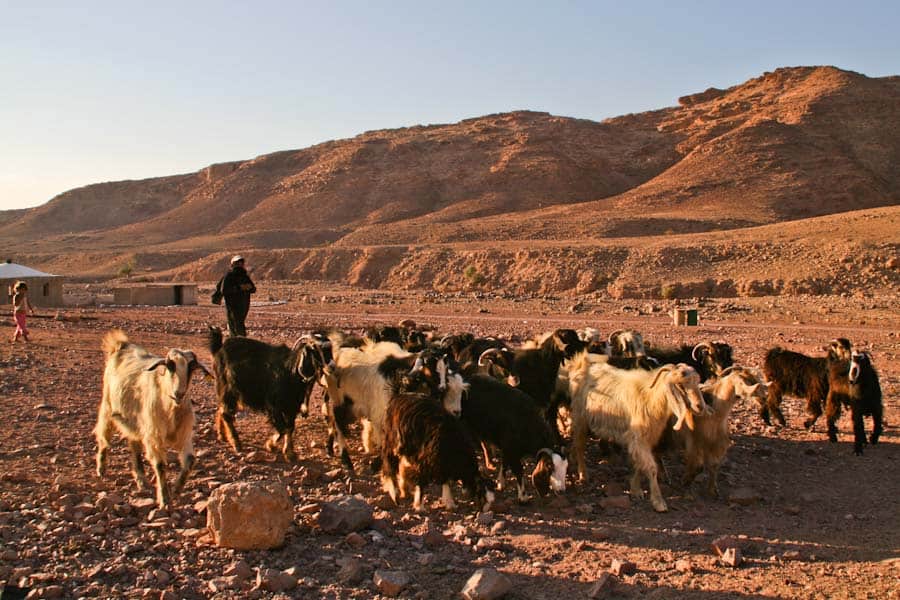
<point>576,203</point>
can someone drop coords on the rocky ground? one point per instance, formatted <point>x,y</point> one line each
<point>810,519</point>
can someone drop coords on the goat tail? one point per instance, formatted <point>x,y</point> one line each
<point>113,341</point>
<point>214,338</point>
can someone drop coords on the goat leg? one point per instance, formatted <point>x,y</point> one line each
<point>859,431</point>
<point>187,463</point>
<point>814,408</point>
<point>137,465</point>
<point>832,414</point>
<point>487,457</point>
<point>712,481</point>
<point>773,406</point>
<point>288,447</point>
<point>447,497</point>
<point>227,421</point>
<point>876,424</point>
<point>163,497</point>
<point>272,442</point>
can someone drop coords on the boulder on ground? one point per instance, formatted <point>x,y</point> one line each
<point>486,584</point>
<point>249,515</point>
<point>350,513</point>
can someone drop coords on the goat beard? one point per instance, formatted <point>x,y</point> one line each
<point>685,417</point>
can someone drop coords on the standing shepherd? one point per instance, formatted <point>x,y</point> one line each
<point>235,287</point>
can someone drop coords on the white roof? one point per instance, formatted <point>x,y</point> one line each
<point>14,271</point>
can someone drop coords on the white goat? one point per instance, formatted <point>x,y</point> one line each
<point>706,444</point>
<point>633,409</point>
<point>361,389</point>
<point>145,398</point>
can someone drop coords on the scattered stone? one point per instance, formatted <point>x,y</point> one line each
<point>622,567</point>
<point>352,571</point>
<point>308,509</point>
<point>240,570</point>
<point>498,527</point>
<point>486,584</point>
<point>354,540</point>
<point>426,559</point>
<point>485,518</point>
<point>390,583</point>
<point>604,585</point>
<point>350,513</point>
<point>731,557</point>
<point>683,565</point>
<point>274,580</point>
<point>143,504</point>
<point>723,543</point>
<point>791,555</point>
<point>249,516</point>
<point>488,543</point>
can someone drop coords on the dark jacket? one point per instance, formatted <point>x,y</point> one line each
<point>236,287</point>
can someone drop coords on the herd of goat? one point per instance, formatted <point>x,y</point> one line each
<point>426,404</point>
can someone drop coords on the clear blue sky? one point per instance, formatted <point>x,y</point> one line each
<point>100,91</point>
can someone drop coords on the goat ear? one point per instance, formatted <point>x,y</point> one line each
<point>157,363</point>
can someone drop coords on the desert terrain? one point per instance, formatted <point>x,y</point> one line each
<point>772,206</point>
<point>811,519</point>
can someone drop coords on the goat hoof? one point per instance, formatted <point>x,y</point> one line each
<point>660,507</point>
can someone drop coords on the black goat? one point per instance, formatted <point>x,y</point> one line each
<point>709,359</point>
<point>789,372</point>
<point>854,384</point>
<point>537,369</point>
<point>424,444</point>
<point>265,378</point>
<point>509,419</point>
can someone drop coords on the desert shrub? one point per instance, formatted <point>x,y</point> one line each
<point>669,291</point>
<point>127,269</point>
<point>472,274</point>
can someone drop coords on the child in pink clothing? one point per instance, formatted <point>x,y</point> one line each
<point>21,305</point>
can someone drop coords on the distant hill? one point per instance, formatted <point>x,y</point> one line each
<point>787,146</point>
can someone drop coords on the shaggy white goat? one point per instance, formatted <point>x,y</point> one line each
<point>145,398</point>
<point>633,409</point>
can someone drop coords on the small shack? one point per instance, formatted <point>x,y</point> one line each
<point>44,289</point>
<point>156,294</point>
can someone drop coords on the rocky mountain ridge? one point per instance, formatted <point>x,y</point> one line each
<point>769,157</point>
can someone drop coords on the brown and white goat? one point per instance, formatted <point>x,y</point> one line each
<point>633,409</point>
<point>854,384</point>
<point>145,398</point>
<point>706,444</point>
<point>363,383</point>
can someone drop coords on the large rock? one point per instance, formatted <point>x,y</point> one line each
<point>486,584</point>
<point>390,583</point>
<point>350,513</point>
<point>249,516</point>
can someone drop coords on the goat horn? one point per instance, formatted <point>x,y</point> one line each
<point>614,335</point>
<point>733,368</point>
<point>487,353</point>
<point>417,366</point>
<point>660,371</point>
<point>697,347</point>
<point>300,340</point>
